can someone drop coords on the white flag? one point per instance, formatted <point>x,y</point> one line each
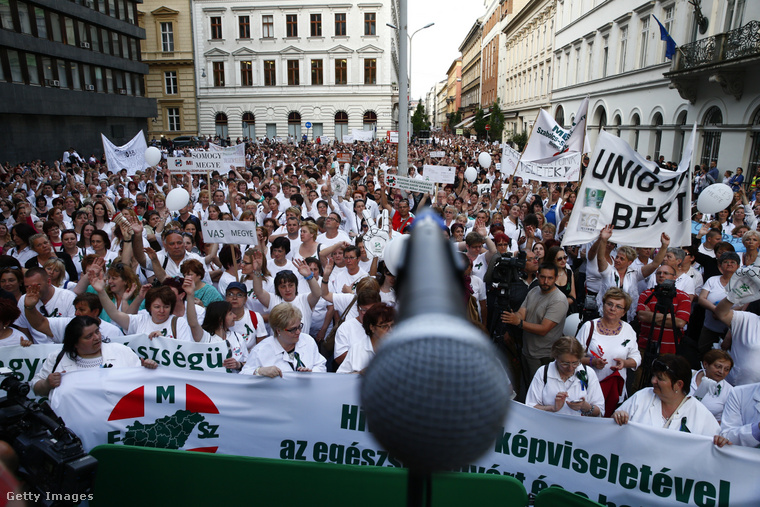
<point>131,156</point>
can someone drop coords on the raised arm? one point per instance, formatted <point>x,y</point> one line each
<point>119,317</point>
<point>192,317</point>
<point>38,321</point>
<point>305,271</point>
<point>325,289</point>
<point>262,295</point>
<point>601,247</point>
<point>652,266</point>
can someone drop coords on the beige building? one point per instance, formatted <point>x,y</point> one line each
<point>168,51</point>
<point>440,103</point>
<point>526,64</point>
<point>454,88</point>
<point>470,50</point>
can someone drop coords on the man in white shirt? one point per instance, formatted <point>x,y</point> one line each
<point>87,304</point>
<point>52,302</point>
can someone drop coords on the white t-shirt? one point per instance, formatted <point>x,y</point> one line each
<point>360,353</point>
<point>350,332</point>
<point>345,278</point>
<point>249,332</point>
<point>646,408</point>
<point>237,348</point>
<point>745,349</point>
<point>58,328</point>
<point>60,305</point>
<point>143,323</point>
<point>14,339</point>
<point>301,302</point>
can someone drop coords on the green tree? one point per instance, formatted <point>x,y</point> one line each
<point>419,119</point>
<point>520,139</point>
<point>496,121</point>
<point>454,120</point>
<point>479,125</point>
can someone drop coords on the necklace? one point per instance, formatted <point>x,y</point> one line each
<point>604,330</point>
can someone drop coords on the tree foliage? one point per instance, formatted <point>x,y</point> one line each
<point>419,119</point>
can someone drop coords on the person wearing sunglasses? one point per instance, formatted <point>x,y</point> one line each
<point>667,403</point>
<point>566,385</point>
<point>565,279</point>
<point>287,350</point>
<point>377,321</point>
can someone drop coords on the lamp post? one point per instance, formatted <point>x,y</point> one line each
<point>405,83</point>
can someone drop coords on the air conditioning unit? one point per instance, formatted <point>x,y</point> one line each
<point>85,45</point>
<point>89,88</point>
<point>53,82</point>
<point>122,91</point>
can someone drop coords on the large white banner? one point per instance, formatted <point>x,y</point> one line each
<point>317,417</point>
<point>25,362</point>
<point>509,159</point>
<point>553,153</point>
<point>180,354</point>
<point>362,135</point>
<point>637,197</point>
<point>231,155</point>
<point>226,231</point>
<point>130,156</point>
<point>438,173</point>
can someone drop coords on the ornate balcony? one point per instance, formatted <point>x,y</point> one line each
<point>721,58</point>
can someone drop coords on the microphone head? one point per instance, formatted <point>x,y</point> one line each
<point>436,394</point>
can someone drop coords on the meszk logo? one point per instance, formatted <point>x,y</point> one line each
<point>184,428</point>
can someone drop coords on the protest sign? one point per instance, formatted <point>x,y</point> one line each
<point>199,162</point>
<point>565,167</point>
<point>226,231</point>
<point>726,238</point>
<point>231,155</point>
<point>391,136</point>
<point>408,184</point>
<point>263,417</point>
<point>438,173</point>
<point>130,156</point>
<point>484,188</point>
<point>437,154</point>
<point>362,135</point>
<point>636,196</point>
<point>343,157</point>
<point>509,159</point>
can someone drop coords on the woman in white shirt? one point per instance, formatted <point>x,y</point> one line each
<point>709,384</point>
<point>377,321</point>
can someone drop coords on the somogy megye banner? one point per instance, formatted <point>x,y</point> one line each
<point>637,197</point>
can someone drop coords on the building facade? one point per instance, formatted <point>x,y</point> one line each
<point>470,50</point>
<point>168,51</point>
<point>526,64</point>
<point>69,71</point>
<point>274,70</point>
<point>497,12</point>
<point>453,88</point>
<point>441,108</point>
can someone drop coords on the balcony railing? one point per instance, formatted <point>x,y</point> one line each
<point>738,43</point>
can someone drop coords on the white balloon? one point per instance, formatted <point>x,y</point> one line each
<point>177,199</point>
<point>572,322</point>
<point>484,159</point>
<point>471,174</point>
<point>152,156</point>
<point>394,252</point>
<point>715,198</point>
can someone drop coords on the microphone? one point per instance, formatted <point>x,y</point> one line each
<point>436,394</point>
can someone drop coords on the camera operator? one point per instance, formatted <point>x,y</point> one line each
<point>665,277</point>
<point>507,287</point>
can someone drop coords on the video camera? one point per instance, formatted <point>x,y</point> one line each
<point>502,272</point>
<point>52,461</point>
<point>665,292</point>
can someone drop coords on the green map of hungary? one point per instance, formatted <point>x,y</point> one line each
<point>169,432</point>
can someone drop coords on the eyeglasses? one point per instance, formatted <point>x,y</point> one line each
<point>386,325</point>
<point>562,258</point>
<point>236,295</point>
<point>574,364</point>
<point>613,306</point>
<point>294,329</point>
<point>660,366</point>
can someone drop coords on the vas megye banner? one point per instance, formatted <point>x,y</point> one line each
<point>637,197</point>
<point>317,417</point>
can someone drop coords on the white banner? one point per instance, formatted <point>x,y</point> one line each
<point>200,162</point>
<point>437,154</point>
<point>547,154</point>
<point>178,354</point>
<point>362,135</point>
<point>565,167</point>
<point>408,184</point>
<point>348,139</point>
<point>226,231</point>
<point>231,155</point>
<point>641,200</point>
<point>439,173</point>
<point>25,362</point>
<point>130,156</point>
<point>317,417</point>
<point>509,159</point>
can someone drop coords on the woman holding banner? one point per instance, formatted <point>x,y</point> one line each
<point>667,403</point>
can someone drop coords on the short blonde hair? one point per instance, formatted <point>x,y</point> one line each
<point>282,315</point>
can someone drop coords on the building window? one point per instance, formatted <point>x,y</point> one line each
<point>369,24</point>
<point>340,24</point>
<point>267,26</point>
<point>246,73</point>
<point>754,153</point>
<point>291,25</point>
<point>605,56</point>
<point>341,125</point>
<point>657,123</point>
<point>316,25</point>
<point>216,27</point>
<point>244,25</point>
<point>559,116</point>
<point>293,72</point>
<point>294,124</point>
<point>341,71</point>
<point>220,124</point>
<point>589,68</point>
<point>249,126</point>
<point>623,48</point>
<point>172,119</point>
<point>370,71</point>
<point>316,72</point>
<point>668,24</point>
<point>270,73</point>
<point>218,73</point>
<point>644,43</point>
<point>170,82</point>
<point>713,120</point>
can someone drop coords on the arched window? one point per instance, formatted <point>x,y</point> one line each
<point>559,116</point>
<point>754,153</point>
<point>602,119</point>
<point>370,122</point>
<point>249,126</point>
<point>294,124</point>
<point>616,121</point>
<point>341,125</point>
<point>220,123</point>
<point>711,135</point>
<point>636,123</point>
<point>657,124</point>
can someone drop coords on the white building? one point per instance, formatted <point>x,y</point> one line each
<point>268,68</point>
<point>612,52</point>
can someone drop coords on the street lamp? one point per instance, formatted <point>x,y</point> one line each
<point>410,50</point>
